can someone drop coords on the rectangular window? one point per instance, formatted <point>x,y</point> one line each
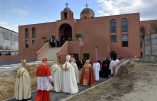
<point>113,38</point>
<point>26,43</point>
<point>125,40</point>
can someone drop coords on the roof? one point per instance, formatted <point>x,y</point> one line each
<point>87,10</point>
<point>67,9</point>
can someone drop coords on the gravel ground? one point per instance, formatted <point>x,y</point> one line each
<point>137,83</point>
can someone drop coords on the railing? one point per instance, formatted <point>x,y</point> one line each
<point>63,51</point>
<point>42,50</point>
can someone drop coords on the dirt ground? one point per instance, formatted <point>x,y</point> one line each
<point>7,80</point>
<point>137,83</point>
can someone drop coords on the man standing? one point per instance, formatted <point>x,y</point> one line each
<point>112,65</point>
<point>73,62</point>
<point>44,82</point>
<point>96,68</point>
<point>105,68</point>
<point>57,77</point>
<point>22,83</point>
<point>87,76</point>
<point>69,78</point>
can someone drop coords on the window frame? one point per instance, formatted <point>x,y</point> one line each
<point>26,33</point>
<point>125,43</point>
<point>33,32</point>
<point>113,27</point>
<point>111,37</point>
<point>124,25</point>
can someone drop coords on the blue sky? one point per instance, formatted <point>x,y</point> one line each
<point>22,12</point>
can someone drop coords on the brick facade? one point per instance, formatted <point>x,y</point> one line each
<point>96,36</point>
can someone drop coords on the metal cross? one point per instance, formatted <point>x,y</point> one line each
<point>86,5</point>
<point>66,4</point>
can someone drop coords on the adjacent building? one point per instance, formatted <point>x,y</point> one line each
<point>8,40</point>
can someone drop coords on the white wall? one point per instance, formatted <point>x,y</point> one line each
<point>8,39</point>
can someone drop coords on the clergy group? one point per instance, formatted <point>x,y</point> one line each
<point>60,78</point>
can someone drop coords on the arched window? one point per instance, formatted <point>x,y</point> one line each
<point>33,32</point>
<point>113,26</point>
<point>26,33</point>
<point>124,25</point>
<point>65,15</point>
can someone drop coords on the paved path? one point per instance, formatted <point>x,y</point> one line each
<point>61,96</point>
<point>54,96</point>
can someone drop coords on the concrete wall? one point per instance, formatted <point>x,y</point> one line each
<point>150,45</point>
<point>8,39</point>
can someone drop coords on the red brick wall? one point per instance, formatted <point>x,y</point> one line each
<point>9,58</point>
<point>96,32</point>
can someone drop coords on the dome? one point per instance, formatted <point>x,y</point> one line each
<point>67,9</point>
<point>86,11</point>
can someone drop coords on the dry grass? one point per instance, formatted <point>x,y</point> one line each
<point>7,83</point>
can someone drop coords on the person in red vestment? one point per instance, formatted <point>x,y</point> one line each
<point>87,76</point>
<point>44,82</point>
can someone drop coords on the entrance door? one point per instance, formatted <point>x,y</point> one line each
<point>65,32</point>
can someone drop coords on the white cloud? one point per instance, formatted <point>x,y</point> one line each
<point>11,27</point>
<point>20,12</point>
<point>113,7</point>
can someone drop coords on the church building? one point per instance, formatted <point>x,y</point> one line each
<point>87,37</point>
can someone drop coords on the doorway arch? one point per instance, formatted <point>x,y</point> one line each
<point>65,33</point>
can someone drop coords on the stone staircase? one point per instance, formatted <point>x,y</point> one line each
<point>50,54</point>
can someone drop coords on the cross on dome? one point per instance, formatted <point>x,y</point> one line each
<point>86,5</point>
<point>66,4</point>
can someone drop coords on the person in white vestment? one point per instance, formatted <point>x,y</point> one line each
<point>57,77</point>
<point>117,61</point>
<point>112,66</point>
<point>69,84</point>
<point>96,68</point>
<point>22,83</point>
<point>73,62</point>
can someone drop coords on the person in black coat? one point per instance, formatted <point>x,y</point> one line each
<point>105,71</point>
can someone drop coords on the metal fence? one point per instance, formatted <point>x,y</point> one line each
<point>150,45</point>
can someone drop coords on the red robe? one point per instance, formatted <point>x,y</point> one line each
<point>87,76</point>
<point>43,95</point>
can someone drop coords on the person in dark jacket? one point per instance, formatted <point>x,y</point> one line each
<point>105,71</point>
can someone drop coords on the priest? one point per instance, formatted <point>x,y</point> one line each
<point>22,83</point>
<point>73,62</point>
<point>44,82</point>
<point>69,78</point>
<point>87,76</point>
<point>105,72</point>
<point>57,77</point>
<point>96,68</point>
